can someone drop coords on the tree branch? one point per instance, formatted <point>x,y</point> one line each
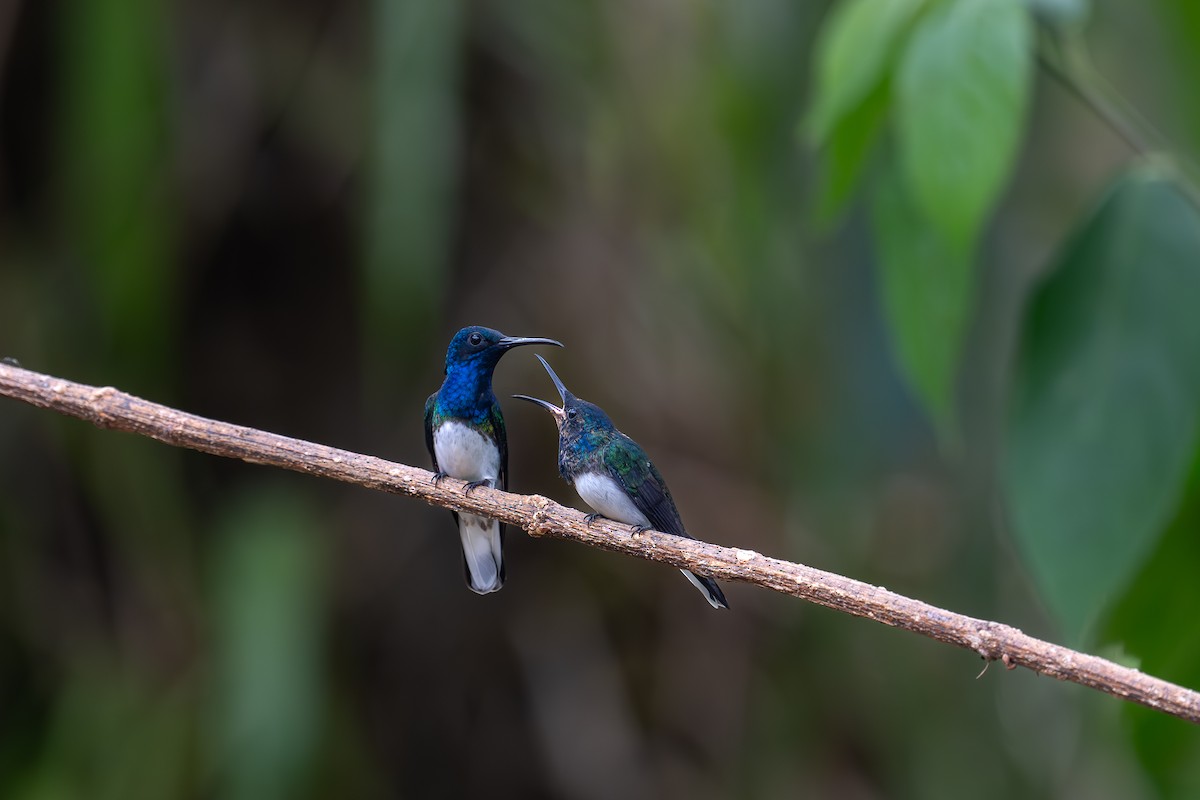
<point>540,516</point>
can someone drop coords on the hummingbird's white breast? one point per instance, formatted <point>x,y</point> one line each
<point>465,453</point>
<point>607,498</point>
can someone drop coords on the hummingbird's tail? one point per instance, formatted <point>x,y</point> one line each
<point>483,552</point>
<point>708,587</point>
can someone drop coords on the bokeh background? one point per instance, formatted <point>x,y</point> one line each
<point>277,214</point>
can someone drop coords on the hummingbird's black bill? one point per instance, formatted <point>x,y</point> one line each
<point>557,412</point>
<point>516,341</point>
<point>558,384</point>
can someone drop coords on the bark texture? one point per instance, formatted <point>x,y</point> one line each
<point>107,407</point>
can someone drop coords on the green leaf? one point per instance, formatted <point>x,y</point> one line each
<point>961,94</point>
<point>847,152</point>
<point>1180,21</point>
<point>1106,396</point>
<point>926,287</point>
<point>856,45</point>
<point>1156,621</point>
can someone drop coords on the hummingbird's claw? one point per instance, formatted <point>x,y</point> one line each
<point>476,484</point>
<point>437,477</point>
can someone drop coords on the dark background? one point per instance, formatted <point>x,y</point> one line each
<point>277,214</point>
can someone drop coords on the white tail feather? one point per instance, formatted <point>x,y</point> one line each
<point>712,601</point>
<point>481,552</point>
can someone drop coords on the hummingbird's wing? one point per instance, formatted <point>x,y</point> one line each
<point>630,467</point>
<point>497,420</point>
<point>500,433</point>
<point>430,402</point>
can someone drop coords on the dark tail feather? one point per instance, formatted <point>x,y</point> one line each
<point>709,588</point>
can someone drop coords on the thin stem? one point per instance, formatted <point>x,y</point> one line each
<point>1066,59</point>
<point>1097,102</point>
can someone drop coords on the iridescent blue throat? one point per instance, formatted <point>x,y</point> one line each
<point>466,392</point>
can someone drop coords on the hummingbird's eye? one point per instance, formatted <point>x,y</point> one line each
<point>572,413</point>
<point>475,339</point>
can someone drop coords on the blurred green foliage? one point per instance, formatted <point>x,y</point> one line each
<point>1153,619</point>
<point>268,625</point>
<point>961,92</point>
<point>413,170</point>
<point>955,77</point>
<point>115,198</point>
<point>1107,393</point>
<point>277,214</point>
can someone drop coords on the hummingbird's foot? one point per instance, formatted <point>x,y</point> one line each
<point>638,530</point>
<point>476,484</point>
<point>437,477</point>
<point>590,518</point>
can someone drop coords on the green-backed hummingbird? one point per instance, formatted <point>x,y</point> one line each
<point>464,431</point>
<point>613,474</point>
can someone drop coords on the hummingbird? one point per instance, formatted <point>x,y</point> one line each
<point>464,431</point>
<point>613,474</point>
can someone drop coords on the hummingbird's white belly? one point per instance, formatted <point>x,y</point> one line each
<point>466,454</point>
<point>607,498</point>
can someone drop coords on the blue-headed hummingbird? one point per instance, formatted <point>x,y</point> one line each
<point>464,431</point>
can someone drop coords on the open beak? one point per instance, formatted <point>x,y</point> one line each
<point>558,384</point>
<point>509,342</point>
<point>559,414</point>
